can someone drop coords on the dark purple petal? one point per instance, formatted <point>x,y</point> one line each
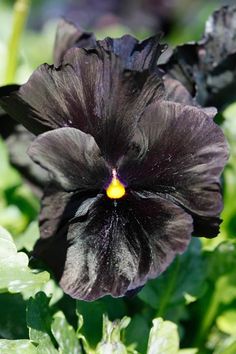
<point>116,247</point>
<point>134,54</point>
<point>176,92</point>
<point>183,156</point>
<point>72,157</point>
<point>67,36</point>
<point>207,68</point>
<point>91,91</point>
<point>58,208</point>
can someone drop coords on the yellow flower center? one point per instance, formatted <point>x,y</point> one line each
<point>116,189</point>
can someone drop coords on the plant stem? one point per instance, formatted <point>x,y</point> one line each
<point>207,320</point>
<point>169,289</point>
<point>21,10</point>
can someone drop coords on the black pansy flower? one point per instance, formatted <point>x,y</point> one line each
<point>207,68</point>
<point>135,173</point>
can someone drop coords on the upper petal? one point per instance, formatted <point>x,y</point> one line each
<point>72,157</point>
<point>135,55</point>
<point>91,91</point>
<point>69,35</point>
<point>184,155</point>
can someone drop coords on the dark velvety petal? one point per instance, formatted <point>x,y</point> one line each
<point>58,207</point>
<point>123,245</point>
<point>116,247</point>
<point>134,54</point>
<point>92,92</point>
<point>72,157</point>
<point>21,111</point>
<point>176,92</point>
<point>207,68</point>
<point>185,155</point>
<point>68,35</point>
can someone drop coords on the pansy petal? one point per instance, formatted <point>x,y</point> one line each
<point>207,67</point>
<point>176,92</point>
<point>57,208</point>
<point>185,155</point>
<point>67,36</point>
<point>72,157</point>
<point>134,54</point>
<point>116,248</point>
<point>91,91</point>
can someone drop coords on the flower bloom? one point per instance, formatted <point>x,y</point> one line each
<point>134,173</point>
<point>207,68</point>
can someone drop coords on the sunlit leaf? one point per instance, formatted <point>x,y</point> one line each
<point>21,346</point>
<point>15,275</point>
<point>65,335</point>
<point>163,338</point>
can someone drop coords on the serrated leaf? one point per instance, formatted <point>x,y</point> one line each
<point>163,338</point>
<point>20,346</point>
<point>39,320</point>
<point>65,335</point>
<point>15,275</point>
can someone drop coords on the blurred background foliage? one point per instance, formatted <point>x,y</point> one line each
<point>197,293</point>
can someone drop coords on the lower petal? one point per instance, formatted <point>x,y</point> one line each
<point>120,245</point>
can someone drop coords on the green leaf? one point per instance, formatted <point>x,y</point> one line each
<point>226,322</point>
<point>225,289</point>
<point>226,346</point>
<point>163,338</point>
<point>12,316</point>
<point>183,280</point>
<point>92,313</point>
<point>222,260</point>
<point>15,275</point>
<point>9,176</point>
<point>137,332</point>
<point>65,335</point>
<point>28,238</point>
<point>21,346</point>
<point>39,320</point>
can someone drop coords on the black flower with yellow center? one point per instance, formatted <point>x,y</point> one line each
<point>134,173</point>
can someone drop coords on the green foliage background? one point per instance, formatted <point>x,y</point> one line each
<point>192,305</point>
